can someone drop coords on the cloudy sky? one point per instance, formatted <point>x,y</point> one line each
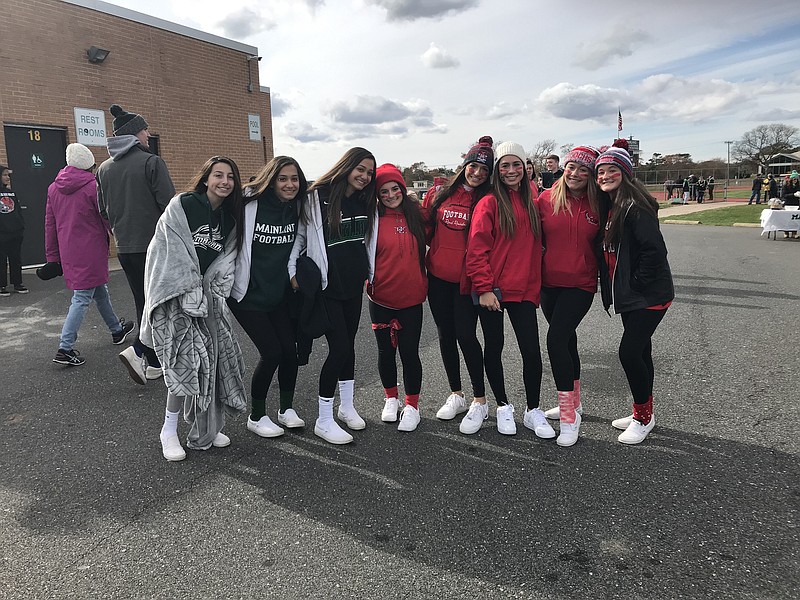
<point>420,80</point>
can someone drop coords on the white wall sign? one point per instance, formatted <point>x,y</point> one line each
<point>254,125</point>
<point>90,125</point>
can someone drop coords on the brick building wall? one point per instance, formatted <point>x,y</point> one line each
<point>192,92</point>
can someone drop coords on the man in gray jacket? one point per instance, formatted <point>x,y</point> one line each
<point>134,188</point>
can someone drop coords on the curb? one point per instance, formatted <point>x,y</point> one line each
<point>745,225</point>
<point>678,222</point>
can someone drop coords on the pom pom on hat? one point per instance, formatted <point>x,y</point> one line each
<point>582,155</point>
<point>80,157</point>
<point>510,149</point>
<point>481,153</point>
<point>618,157</point>
<point>621,143</point>
<point>126,123</point>
<point>386,173</point>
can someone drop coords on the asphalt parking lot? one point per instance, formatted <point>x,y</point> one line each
<point>706,507</point>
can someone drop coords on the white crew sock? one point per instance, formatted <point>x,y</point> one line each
<point>346,394</point>
<point>325,410</point>
<point>170,426</point>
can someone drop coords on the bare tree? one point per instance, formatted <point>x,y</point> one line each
<point>760,145</point>
<point>541,150</point>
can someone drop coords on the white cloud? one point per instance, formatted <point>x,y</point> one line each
<point>410,10</point>
<point>620,43</point>
<point>438,58</point>
<point>245,23</point>
<point>306,132</point>
<point>279,105</point>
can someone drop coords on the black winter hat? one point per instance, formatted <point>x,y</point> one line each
<point>126,123</point>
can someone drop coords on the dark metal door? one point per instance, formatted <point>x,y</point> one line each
<point>35,155</point>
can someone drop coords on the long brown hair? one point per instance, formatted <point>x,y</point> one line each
<point>336,181</point>
<point>233,204</point>
<point>505,210</point>
<point>450,188</point>
<point>630,191</point>
<point>416,225</point>
<point>268,175</point>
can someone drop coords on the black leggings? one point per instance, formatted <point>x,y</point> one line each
<point>456,321</point>
<point>274,337</point>
<point>636,351</point>
<point>526,330</point>
<point>407,342</point>
<point>133,266</point>
<point>11,253</point>
<point>340,364</point>
<point>564,309</point>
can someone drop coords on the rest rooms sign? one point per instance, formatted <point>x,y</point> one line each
<point>90,125</point>
<point>254,124</point>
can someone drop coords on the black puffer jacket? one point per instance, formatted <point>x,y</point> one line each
<point>642,276</point>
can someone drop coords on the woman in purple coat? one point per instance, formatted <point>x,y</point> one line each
<point>76,236</point>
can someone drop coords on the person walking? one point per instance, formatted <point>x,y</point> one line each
<point>262,296</point>
<point>337,216</point>
<point>449,213</point>
<point>571,234</point>
<point>189,273</point>
<point>134,188</point>
<point>76,237</point>
<point>504,262</point>
<point>756,190</point>
<point>636,280</point>
<point>12,231</point>
<point>397,288</point>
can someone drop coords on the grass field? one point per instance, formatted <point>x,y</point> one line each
<point>727,216</point>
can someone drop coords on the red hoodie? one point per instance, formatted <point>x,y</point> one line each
<point>494,261</point>
<point>399,281</point>
<point>569,257</point>
<point>448,240</point>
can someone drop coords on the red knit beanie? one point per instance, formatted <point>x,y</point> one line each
<point>386,173</point>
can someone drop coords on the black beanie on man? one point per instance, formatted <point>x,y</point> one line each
<point>126,123</point>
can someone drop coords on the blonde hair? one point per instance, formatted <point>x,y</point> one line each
<point>559,195</point>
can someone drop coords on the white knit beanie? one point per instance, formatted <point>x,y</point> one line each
<point>80,157</point>
<point>509,148</point>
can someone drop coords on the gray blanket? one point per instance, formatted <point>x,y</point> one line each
<point>186,320</point>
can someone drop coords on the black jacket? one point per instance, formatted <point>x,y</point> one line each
<point>642,276</point>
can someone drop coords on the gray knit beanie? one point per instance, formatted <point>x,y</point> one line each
<point>126,123</point>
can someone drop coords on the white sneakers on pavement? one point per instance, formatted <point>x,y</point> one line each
<point>264,427</point>
<point>555,414</point>
<point>568,434</point>
<point>221,441</point>
<point>536,421</point>
<point>635,432</point>
<point>454,405</point>
<point>289,418</point>
<point>409,418</point>
<point>622,423</point>
<point>329,430</point>
<point>473,420</point>
<point>391,406</point>
<point>135,365</point>
<point>505,420</point>
<point>351,418</point>
<point>171,448</point>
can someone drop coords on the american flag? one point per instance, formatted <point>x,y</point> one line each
<point>619,120</point>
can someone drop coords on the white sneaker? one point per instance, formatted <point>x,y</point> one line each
<point>536,421</point>
<point>636,432</point>
<point>264,427</point>
<point>351,418</point>
<point>622,423</point>
<point>454,405</point>
<point>171,448</point>
<point>474,418</point>
<point>331,432</point>
<point>151,373</point>
<point>505,420</point>
<point>568,434</point>
<point>555,414</point>
<point>409,419</point>
<point>221,441</point>
<point>390,408</point>
<point>135,365</point>
<point>289,418</point>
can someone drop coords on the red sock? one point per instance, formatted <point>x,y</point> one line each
<point>643,412</point>
<point>412,400</point>
<point>390,392</point>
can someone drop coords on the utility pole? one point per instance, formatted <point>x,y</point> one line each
<point>728,170</point>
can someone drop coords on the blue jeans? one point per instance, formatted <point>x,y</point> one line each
<point>81,300</point>
<point>755,195</point>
